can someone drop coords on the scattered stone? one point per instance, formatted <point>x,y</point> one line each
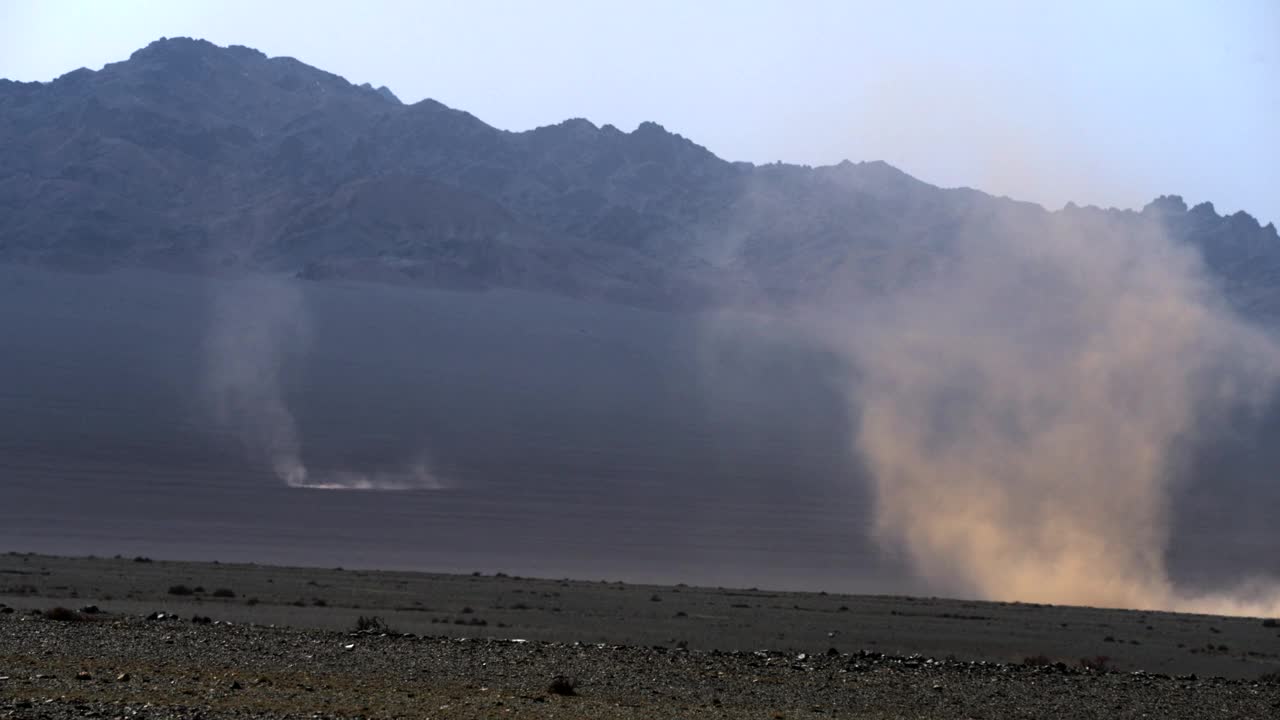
<point>123,677</point>
<point>84,675</point>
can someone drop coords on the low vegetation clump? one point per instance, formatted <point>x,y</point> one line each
<point>1037,660</point>
<point>180,590</point>
<point>62,614</point>
<point>372,624</point>
<point>562,685</point>
<point>1097,663</point>
<point>223,593</point>
<point>1270,623</point>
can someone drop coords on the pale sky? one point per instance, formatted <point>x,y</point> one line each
<point>1107,103</point>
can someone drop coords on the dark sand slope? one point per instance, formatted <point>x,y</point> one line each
<point>634,651</point>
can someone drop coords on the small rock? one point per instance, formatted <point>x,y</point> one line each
<point>90,610</point>
<point>84,675</point>
<point>46,676</point>
<point>123,677</point>
<point>235,685</point>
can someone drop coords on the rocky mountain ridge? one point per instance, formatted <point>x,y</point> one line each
<point>195,157</point>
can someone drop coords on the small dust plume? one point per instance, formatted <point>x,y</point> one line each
<point>1022,406</point>
<point>257,323</point>
<point>260,329</point>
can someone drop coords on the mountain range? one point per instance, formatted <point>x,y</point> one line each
<point>198,158</point>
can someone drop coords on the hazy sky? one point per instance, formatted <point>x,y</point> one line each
<point>1108,103</point>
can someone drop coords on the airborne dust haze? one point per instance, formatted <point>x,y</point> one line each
<point>256,324</point>
<point>1021,407</point>
<point>259,329</point>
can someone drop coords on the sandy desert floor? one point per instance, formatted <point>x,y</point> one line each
<point>282,642</point>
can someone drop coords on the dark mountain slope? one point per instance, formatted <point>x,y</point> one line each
<point>193,156</point>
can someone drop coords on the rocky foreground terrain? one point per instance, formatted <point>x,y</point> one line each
<point>168,666</point>
<point>500,656</point>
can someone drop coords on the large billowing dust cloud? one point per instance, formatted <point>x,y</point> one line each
<point>1022,406</point>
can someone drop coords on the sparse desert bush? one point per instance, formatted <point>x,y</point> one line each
<point>1037,660</point>
<point>1097,663</point>
<point>319,602</point>
<point>223,593</point>
<point>180,590</point>
<point>562,685</point>
<point>61,614</point>
<point>1271,678</point>
<point>371,623</point>
<point>252,601</point>
<point>1270,623</point>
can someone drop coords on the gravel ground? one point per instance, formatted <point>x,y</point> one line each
<point>700,618</point>
<point>252,641</point>
<point>112,666</point>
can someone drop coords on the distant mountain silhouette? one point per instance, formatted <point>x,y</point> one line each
<point>194,157</point>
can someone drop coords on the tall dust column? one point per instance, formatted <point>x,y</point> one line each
<point>256,323</point>
<point>1020,404</point>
